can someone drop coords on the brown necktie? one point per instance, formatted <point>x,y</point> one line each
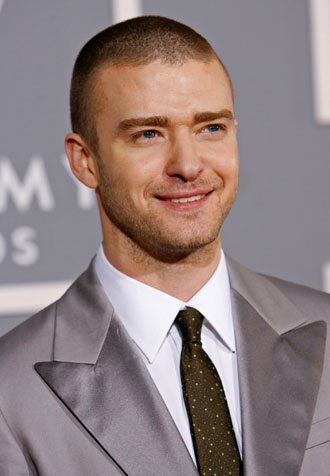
<point>210,423</point>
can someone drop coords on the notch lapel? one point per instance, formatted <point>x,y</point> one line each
<point>280,364</point>
<point>112,394</point>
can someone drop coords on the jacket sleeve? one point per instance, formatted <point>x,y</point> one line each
<point>12,460</point>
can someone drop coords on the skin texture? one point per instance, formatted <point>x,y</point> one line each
<point>164,132</point>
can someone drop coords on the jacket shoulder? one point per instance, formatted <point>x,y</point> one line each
<point>32,340</point>
<point>314,304</point>
<point>40,327</point>
<point>309,299</point>
<point>265,291</point>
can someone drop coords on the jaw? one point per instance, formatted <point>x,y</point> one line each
<point>166,231</point>
<point>184,240</point>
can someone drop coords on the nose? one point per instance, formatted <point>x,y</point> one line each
<point>183,158</point>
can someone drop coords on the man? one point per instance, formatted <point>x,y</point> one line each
<point>114,378</point>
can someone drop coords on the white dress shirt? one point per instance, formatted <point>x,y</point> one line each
<point>148,316</point>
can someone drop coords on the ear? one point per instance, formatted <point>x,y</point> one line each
<point>82,161</point>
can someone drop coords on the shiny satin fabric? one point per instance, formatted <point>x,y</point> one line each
<point>75,397</point>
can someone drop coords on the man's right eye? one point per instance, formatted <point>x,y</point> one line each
<point>148,134</point>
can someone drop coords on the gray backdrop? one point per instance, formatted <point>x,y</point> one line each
<point>49,227</point>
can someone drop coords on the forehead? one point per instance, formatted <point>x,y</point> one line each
<point>158,88</point>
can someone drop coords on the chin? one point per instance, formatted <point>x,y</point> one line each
<point>180,247</point>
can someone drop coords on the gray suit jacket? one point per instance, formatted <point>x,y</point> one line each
<point>76,399</point>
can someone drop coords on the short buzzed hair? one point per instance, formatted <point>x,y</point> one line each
<point>138,41</point>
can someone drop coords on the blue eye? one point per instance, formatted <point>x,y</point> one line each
<point>213,128</point>
<point>150,134</point>
<point>145,137</point>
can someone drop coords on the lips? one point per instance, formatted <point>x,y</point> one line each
<point>187,199</point>
<point>184,197</point>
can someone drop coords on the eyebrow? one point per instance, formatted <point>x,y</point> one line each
<point>153,121</point>
<point>212,116</point>
<point>162,121</point>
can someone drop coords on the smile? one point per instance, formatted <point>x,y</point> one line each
<point>187,199</point>
<point>185,203</point>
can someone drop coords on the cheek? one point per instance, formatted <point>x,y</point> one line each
<point>142,180</point>
<point>232,175</point>
<point>136,167</point>
<point>131,183</point>
<point>223,153</point>
<point>227,166</point>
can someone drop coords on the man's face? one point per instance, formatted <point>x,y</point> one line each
<point>167,157</point>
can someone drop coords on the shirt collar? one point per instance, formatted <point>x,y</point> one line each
<point>148,313</point>
<point>213,300</point>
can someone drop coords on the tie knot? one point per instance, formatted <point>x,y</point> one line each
<point>190,323</point>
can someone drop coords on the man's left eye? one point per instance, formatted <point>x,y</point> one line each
<point>212,128</point>
<point>150,134</point>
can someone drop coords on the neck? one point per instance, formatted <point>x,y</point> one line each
<point>181,279</point>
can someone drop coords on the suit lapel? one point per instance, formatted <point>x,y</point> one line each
<point>99,376</point>
<point>109,390</point>
<point>280,365</point>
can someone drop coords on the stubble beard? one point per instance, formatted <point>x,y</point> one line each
<point>150,235</point>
